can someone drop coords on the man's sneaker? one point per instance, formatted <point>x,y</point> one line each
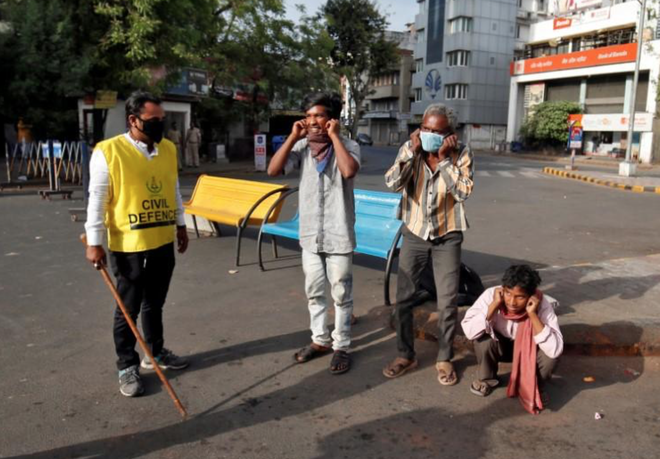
<point>130,384</point>
<point>167,360</point>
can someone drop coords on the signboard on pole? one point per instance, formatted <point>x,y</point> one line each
<point>105,99</point>
<point>575,131</point>
<point>260,152</point>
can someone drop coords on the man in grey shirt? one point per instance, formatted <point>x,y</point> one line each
<point>328,163</point>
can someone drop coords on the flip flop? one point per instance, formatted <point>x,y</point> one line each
<point>309,352</point>
<point>340,358</point>
<point>446,374</point>
<point>396,369</point>
<point>483,388</point>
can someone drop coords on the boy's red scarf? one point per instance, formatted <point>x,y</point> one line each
<point>523,382</point>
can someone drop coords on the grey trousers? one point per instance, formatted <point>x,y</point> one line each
<point>490,352</point>
<point>445,253</point>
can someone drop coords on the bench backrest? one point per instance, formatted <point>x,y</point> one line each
<point>376,209</point>
<point>221,193</point>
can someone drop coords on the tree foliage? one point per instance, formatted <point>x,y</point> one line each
<point>361,49</point>
<point>548,123</point>
<point>55,51</point>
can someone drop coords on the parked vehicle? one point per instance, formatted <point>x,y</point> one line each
<point>364,139</point>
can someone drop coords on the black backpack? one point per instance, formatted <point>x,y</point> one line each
<point>469,289</point>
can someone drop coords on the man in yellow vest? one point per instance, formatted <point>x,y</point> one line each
<point>134,198</point>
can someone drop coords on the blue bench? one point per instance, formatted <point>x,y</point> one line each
<point>377,229</point>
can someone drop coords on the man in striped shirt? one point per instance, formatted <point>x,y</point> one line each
<point>435,175</point>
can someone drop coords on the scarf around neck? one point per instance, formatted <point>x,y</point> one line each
<point>523,382</point>
<point>321,147</point>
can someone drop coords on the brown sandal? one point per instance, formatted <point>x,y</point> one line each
<point>309,352</point>
<point>398,368</point>
<point>483,388</point>
<point>446,374</point>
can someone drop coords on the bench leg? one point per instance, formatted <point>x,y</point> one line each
<point>195,224</point>
<point>239,233</point>
<point>260,238</point>
<point>273,241</point>
<point>388,272</point>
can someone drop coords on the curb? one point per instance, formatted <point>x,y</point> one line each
<point>619,340</point>
<point>595,181</point>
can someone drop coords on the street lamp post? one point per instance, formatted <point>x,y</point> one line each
<point>628,167</point>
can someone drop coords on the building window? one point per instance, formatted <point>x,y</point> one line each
<point>518,31</point>
<point>418,94</point>
<point>419,65</point>
<point>456,91</point>
<point>420,35</point>
<point>492,60</point>
<point>494,26</point>
<point>460,24</point>
<point>458,59</point>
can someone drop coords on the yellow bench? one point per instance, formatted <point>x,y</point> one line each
<point>234,202</point>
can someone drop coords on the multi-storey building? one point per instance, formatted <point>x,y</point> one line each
<point>386,110</point>
<point>462,59</point>
<point>586,53</point>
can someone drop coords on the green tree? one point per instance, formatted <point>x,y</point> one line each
<point>361,49</point>
<point>548,123</point>
<point>47,61</point>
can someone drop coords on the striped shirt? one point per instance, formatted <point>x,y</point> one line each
<point>432,204</point>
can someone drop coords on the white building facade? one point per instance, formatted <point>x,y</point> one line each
<point>462,59</point>
<point>586,53</point>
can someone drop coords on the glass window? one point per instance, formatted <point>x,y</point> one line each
<point>460,24</point>
<point>419,65</point>
<point>456,91</point>
<point>458,58</point>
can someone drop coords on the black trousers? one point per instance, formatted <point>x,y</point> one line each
<point>143,279</point>
<point>445,253</point>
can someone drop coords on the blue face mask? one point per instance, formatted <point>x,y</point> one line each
<point>431,142</point>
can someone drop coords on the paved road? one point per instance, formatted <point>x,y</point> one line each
<point>58,388</point>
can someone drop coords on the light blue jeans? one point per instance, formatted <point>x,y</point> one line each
<point>337,269</point>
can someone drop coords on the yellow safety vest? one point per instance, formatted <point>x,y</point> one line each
<point>141,214</point>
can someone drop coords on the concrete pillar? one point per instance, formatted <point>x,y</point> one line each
<point>515,111</point>
<point>627,93</point>
<point>583,93</point>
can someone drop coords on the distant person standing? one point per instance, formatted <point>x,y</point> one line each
<point>174,135</point>
<point>193,140</point>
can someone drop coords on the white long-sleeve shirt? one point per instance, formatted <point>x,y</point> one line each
<point>100,192</point>
<point>475,324</point>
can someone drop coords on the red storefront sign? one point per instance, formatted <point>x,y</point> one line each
<point>616,54</point>
<point>561,23</point>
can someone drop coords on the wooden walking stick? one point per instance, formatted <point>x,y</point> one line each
<point>136,332</point>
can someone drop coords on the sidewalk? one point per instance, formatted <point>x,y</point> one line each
<point>595,170</point>
<point>580,160</point>
<point>607,308</point>
<point>646,181</point>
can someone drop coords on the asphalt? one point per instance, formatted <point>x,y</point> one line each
<point>240,326</point>
<point>592,294</point>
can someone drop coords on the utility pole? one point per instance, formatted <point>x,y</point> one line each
<point>628,168</point>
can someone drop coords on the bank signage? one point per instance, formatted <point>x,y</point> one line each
<point>561,23</point>
<point>617,122</point>
<point>616,54</point>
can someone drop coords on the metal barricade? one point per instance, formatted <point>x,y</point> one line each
<point>27,161</point>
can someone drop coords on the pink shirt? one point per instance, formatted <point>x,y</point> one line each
<point>475,324</point>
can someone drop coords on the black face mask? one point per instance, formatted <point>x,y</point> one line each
<point>153,128</point>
